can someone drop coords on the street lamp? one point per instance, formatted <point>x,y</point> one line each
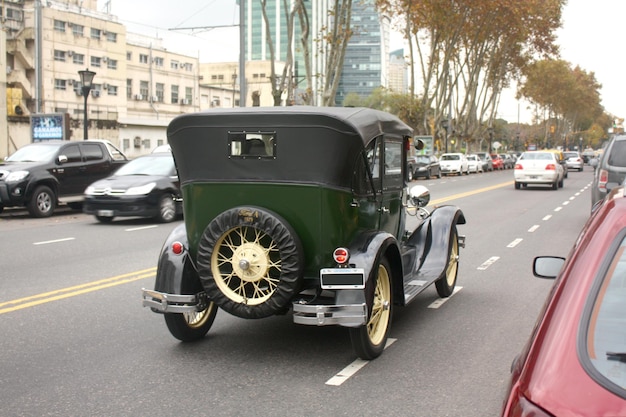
<point>445,123</point>
<point>86,78</point>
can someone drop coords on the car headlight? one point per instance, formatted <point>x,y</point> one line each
<point>89,190</point>
<point>141,190</point>
<point>16,176</point>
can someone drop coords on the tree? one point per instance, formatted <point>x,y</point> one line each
<point>468,51</point>
<point>335,39</point>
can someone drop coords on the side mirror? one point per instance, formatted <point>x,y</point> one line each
<point>61,159</point>
<point>419,144</point>
<point>419,196</point>
<point>547,266</point>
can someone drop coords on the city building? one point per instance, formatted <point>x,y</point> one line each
<point>366,63</point>
<point>139,86</point>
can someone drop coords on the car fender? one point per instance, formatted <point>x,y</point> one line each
<point>432,239</point>
<point>39,177</point>
<point>365,252</point>
<point>176,274</point>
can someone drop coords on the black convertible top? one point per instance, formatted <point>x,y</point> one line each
<point>312,144</point>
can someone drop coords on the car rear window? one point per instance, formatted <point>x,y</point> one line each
<point>253,145</point>
<point>606,330</point>
<point>617,155</point>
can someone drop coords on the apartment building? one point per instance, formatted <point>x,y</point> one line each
<point>139,86</point>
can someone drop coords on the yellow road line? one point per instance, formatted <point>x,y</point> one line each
<point>467,194</point>
<point>21,303</point>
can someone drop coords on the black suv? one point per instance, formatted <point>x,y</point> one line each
<point>611,169</point>
<point>41,175</point>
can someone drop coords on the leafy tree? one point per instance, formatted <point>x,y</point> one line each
<point>468,51</point>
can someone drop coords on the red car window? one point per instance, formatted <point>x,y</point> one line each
<point>606,334</point>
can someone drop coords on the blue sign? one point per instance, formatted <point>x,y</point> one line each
<point>47,127</point>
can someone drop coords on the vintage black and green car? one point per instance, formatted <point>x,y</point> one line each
<point>300,209</point>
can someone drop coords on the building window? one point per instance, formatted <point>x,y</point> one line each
<point>143,58</point>
<point>59,25</point>
<point>143,89</point>
<point>160,92</point>
<point>96,33</point>
<point>111,37</point>
<point>78,59</point>
<point>60,84</point>
<point>59,55</point>
<point>112,90</point>
<point>129,56</point>
<point>174,65</point>
<point>174,94</point>
<point>129,88</point>
<point>112,64</point>
<point>78,30</point>
<point>158,62</point>
<point>189,94</point>
<point>96,61</point>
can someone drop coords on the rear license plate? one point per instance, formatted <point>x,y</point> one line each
<point>106,213</point>
<point>342,278</point>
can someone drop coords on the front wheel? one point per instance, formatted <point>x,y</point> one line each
<point>445,285</point>
<point>188,327</point>
<point>368,341</point>
<point>42,202</point>
<point>167,208</point>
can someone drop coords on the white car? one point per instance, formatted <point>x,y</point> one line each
<point>474,163</point>
<point>453,163</point>
<point>538,168</point>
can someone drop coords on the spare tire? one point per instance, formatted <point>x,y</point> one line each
<point>250,262</point>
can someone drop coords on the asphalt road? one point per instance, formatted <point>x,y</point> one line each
<point>76,341</point>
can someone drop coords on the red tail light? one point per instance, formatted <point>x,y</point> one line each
<point>550,167</point>
<point>603,179</point>
<point>341,255</point>
<point>177,248</point>
<point>519,166</point>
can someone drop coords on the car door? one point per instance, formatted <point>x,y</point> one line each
<point>391,209</point>
<point>96,164</point>
<point>68,170</point>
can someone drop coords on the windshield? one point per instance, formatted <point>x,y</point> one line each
<point>450,157</point>
<point>149,165</point>
<point>422,159</point>
<point>39,153</point>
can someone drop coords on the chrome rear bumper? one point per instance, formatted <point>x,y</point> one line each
<point>349,315</point>
<point>161,302</point>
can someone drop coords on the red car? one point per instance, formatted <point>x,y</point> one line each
<point>498,162</point>
<point>574,363</point>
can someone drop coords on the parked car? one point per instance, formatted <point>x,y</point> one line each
<point>574,160</point>
<point>497,161</point>
<point>611,168</point>
<point>507,161</point>
<point>453,163</point>
<point>486,159</point>
<point>145,187</point>
<point>267,231</point>
<point>474,163</point>
<point>574,363</point>
<point>538,168</point>
<point>423,166</point>
<point>44,174</point>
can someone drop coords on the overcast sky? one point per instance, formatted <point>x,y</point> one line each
<point>591,37</point>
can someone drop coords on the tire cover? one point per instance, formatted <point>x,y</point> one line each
<point>291,258</point>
